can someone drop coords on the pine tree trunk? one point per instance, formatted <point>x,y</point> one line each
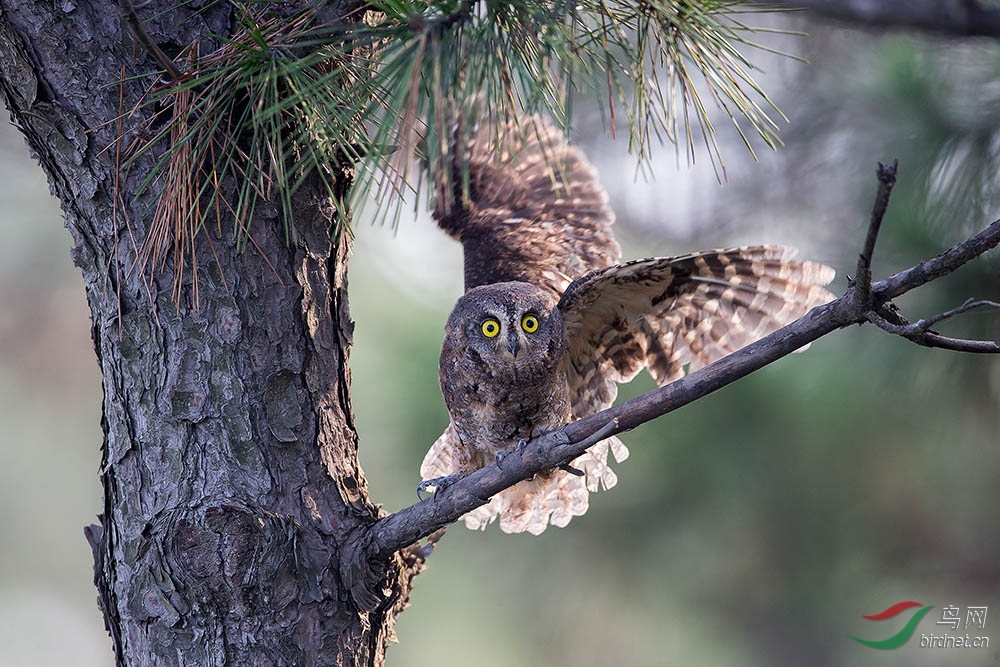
<point>233,496</point>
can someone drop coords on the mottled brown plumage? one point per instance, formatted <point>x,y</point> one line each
<point>533,210</point>
<point>668,313</point>
<point>536,234</point>
<point>502,389</point>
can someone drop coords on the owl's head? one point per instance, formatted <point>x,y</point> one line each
<point>510,325</point>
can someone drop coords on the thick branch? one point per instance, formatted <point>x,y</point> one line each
<point>412,523</point>
<point>945,17</point>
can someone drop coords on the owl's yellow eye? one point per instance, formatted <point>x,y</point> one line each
<point>529,323</point>
<point>490,328</point>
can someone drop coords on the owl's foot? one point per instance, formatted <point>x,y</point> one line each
<point>518,448</point>
<point>438,484</point>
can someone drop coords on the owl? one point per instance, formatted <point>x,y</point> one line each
<point>551,323</point>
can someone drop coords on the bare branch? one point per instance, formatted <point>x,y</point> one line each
<point>931,339</point>
<point>408,525</point>
<point>886,181</point>
<point>970,304</point>
<point>919,332</point>
<point>962,18</point>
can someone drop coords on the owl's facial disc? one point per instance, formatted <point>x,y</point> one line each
<point>508,327</point>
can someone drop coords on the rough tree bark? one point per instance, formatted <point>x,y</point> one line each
<point>231,481</point>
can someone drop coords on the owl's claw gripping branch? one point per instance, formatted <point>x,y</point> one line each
<point>518,449</point>
<point>502,454</point>
<point>439,484</point>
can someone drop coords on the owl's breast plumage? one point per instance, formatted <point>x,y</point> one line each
<point>493,407</point>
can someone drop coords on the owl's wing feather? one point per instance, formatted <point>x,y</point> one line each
<point>446,456</point>
<point>533,209</point>
<point>668,313</point>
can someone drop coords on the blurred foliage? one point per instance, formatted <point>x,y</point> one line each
<point>753,527</point>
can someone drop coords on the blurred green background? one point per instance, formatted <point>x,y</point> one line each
<point>751,528</point>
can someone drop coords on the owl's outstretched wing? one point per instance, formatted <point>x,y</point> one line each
<point>532,210</point>
<point>666,313</point>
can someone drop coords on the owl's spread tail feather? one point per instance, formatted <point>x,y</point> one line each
<point>553,497</point>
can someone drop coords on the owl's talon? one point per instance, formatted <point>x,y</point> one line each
<point>571,470</point>
<point>502,454</point>
<point>438,483</point>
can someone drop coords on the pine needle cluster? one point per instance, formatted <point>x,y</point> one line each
<point>298,96</point>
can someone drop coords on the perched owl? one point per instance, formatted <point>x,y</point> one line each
<point>550,323</point>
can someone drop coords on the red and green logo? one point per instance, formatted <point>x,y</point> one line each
<point>904,634</point>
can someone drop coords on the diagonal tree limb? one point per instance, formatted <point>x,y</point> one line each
<point>410,524</point>
<point>882,312</point>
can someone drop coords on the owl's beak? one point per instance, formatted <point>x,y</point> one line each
<point>513,343</point>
